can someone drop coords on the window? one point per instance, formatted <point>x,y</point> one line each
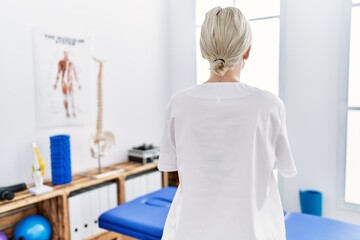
<point>352,179</point>
<point>265,25</point>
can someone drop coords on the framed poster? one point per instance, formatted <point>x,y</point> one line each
<point>62,79</point>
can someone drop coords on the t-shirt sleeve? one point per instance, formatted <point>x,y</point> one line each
<point>284,160</point>
<point>167,159</point>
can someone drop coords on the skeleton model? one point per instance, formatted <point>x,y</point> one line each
<point>102,141</point>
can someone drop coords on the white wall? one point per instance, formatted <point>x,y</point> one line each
<point>181,54</point>
<point>130,35</point>
<point>313,75</point>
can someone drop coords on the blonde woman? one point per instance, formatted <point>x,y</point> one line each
<point>225,138</point>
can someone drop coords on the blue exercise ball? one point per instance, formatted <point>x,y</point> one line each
<point>33,227</point>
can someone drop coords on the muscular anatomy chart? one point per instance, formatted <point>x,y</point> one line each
<point>67,74</point>
<point>63,83</point>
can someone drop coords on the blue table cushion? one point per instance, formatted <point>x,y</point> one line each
<point>303,226</point>
<point>143,217</point>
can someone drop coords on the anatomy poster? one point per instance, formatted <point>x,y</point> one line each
<point>62,79</point>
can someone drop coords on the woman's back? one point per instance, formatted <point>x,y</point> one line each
<point>225,139</point>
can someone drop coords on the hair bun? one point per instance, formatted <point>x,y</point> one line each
<point>219,66</point>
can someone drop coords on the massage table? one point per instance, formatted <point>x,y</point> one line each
<point>144,218</point>
<point>308,227</point>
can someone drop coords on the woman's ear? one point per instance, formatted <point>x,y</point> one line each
<point>247,54</point>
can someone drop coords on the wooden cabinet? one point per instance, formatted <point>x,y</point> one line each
<point>173,179</point>
<point>54,205</point>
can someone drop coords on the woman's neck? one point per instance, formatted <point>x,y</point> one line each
<point>232,75</point>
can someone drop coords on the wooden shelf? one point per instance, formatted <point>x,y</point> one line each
<point>54,205</point>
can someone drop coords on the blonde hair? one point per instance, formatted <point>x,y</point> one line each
<point>225,38</point>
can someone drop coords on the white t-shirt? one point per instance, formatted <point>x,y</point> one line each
<point>225,139</point>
